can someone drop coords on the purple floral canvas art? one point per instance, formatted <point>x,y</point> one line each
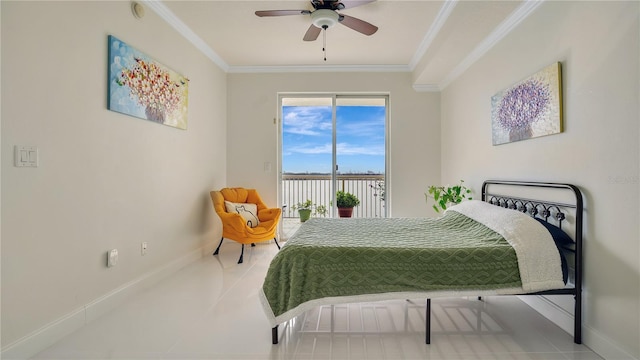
<point>141,87</point>
<point>528,109</point>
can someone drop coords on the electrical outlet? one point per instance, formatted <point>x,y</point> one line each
<point>143,248</point>
<point>112,258</point>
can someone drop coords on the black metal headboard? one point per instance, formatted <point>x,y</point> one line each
<point>546,209</point>
<point>536,207</point>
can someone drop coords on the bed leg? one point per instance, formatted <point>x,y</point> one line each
<point>274,335</point>
<point>427,317</point>
<point>218,248</point>
<point>577,320</point>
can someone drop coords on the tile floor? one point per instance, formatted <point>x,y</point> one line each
<point>210,310</point>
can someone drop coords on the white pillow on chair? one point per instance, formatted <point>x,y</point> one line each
<point>248,211</point>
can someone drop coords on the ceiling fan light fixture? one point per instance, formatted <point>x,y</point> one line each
<point>324,18</point>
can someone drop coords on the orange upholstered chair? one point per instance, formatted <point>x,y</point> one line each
<point>245,217</point>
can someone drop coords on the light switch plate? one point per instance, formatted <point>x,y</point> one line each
<point>25,156</point>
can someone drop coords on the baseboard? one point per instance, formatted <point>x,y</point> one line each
<point>604,346</point>
<point>551,311</point>
<point>53,332</point>
<point>44,337</point>
<point>591,338</point>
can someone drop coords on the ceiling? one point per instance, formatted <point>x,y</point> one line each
<point>433,40</point>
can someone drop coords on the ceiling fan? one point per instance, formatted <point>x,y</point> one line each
<point>325,15</point>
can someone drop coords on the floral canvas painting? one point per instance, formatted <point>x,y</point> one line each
<point>142,87</point>
<point>528,109</point>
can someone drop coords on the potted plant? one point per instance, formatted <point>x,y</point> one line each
<point>445,196</point>
<point>346,202</point>
<point>305,210</point>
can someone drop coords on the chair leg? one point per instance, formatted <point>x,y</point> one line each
<point>241,254</point>
<point>274,239</point>
<point>253,244</point>
<point>218,248</point>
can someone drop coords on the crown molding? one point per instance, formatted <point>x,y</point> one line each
<point>434,29</point>
<point>505,27</point>
<point>426,88</point>
<point>182,28</point>
<point>318,68</point>
<point>521,13</point>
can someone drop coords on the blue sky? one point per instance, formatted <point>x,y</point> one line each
<point>307,139</point>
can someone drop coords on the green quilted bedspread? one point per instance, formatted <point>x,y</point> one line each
<point>347,257</point>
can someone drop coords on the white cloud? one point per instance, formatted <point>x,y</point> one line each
<point>313,121</point>
<point>348,149</point>
<point>344,149</point>
<point>310,149</point>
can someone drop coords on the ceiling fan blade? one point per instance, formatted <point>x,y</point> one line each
<point>358,25</point>
<point>262,13</point>
<point>312,33</point>
<point>348,4</point>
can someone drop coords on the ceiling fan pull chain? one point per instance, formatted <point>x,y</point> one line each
<point>324,41</point>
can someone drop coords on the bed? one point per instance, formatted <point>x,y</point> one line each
<point>521,246</point>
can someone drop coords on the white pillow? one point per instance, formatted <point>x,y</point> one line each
<point>248,211</point>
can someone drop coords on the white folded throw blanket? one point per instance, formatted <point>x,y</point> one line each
<point>538,257</point>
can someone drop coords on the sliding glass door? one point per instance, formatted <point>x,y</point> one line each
<point>330,143</point>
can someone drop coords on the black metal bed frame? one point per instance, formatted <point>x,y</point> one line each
<point>542,209</point>
<point>535,208</point>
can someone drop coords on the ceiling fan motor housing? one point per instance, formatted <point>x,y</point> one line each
<point>324,18</point>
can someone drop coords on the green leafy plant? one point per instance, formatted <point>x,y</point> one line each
<point>309,205</point>
<point>346,200</point>
<point>445,196</point>
<point>378,188</point>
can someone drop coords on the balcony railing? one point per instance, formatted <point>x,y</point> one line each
<point>368,188</point>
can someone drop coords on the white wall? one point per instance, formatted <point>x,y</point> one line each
<point>414,130</point>
<point>597,44</point>
<point>105,180</point>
